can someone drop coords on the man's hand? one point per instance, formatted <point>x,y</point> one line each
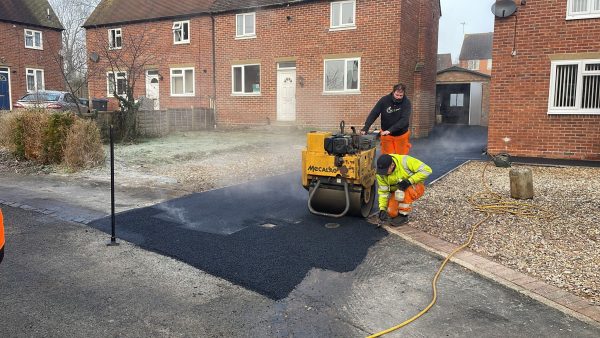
<point>402,185</point>
<point>363,132</point>
<point>385,132</point>
<point>383,215</point>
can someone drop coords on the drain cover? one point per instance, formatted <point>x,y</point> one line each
<point>332,225</point>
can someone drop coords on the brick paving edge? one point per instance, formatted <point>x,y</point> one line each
<point>545,293</point>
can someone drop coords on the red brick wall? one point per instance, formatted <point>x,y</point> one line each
<point>162,55</point>
<point>386,38</point>
<point>14,55</point>
<point>424,99</point>
<point>520,84</point>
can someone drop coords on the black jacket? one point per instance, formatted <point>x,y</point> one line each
<point>395,115</point>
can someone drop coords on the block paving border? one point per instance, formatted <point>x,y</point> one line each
<point>550,295</point>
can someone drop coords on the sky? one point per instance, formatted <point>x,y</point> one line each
<point>477,16</point>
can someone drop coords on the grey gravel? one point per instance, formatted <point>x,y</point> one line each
<point>563,251</point>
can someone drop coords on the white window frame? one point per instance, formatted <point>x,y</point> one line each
<point>457,100</point>
<point>112,43</point>
<point>179,26</point>
<point>182,75</point>
<point>342,26</point>
<point>473,64</point>
<point>489,64</point>
<point>116,77</point>
<point>592,10</point>
<point>243,93</point>
<point>581,72</point>
<point>34,73</point>
<point>345,90</point>
<point>32,33</point>
<point>244,17</point>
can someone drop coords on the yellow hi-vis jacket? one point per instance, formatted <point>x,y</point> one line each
<point>407,168</point>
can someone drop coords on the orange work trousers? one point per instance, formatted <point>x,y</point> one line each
<point>395,144</point>
<point>411,194</point>
<point>1,236</point>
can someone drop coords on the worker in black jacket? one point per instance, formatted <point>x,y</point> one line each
<point>394,109</point>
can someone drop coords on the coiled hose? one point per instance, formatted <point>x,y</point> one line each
<point>489,203</point>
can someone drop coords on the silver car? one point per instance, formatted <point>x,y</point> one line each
<point>51,100</point>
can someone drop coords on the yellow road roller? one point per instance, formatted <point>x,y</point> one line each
<point>338,170</point>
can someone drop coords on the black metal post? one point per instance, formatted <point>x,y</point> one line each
<point>113,238</point>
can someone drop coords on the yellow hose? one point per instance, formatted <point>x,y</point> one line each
<point>489,203</point>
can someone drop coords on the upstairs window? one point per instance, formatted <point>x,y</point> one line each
<point>35,79</point>
<point>342,75</point>
<point>115,38</point>
<point>246,79</point>
<point>575,87</point>
<point>116,82</point>
<point>33,39</point>
<point>473,65</point>
<point>343,14</point>
<point>583,9</point>
<point>245,25</point>
<point>181,32</point>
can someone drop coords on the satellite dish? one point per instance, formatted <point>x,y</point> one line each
<point>504,8</point>
<point>94,57</point>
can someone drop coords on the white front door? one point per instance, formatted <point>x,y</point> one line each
<point>152,87</point>
<point>286,94</point>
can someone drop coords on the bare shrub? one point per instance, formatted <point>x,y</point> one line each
<point>83,145</point>
<point>35,123</point>
<point>8,123</point>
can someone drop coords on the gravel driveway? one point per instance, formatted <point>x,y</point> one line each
<point>563,251</point>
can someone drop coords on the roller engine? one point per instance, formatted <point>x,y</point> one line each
<point>338,170</point>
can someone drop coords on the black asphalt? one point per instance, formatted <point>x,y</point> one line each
<point>260,235</point>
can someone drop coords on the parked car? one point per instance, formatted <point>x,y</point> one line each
<point>51,100</point>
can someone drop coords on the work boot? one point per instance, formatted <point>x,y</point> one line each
<point>398,221</point>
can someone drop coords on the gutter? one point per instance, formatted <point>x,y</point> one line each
<point>214,70</point>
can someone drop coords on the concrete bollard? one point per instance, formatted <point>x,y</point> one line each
<point>521,183</point>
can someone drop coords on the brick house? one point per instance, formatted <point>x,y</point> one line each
<point>310,63</point>
<point>545,94</point>
<point>444,61</point>
<point>476,52</point>
<point>463,96</point>
<point>29,50</point>
<point>318,62</point>
<point>165,50</point>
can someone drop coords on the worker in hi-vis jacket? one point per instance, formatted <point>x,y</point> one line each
<point>400,182</point>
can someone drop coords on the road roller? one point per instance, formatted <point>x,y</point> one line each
<point>338,170</point>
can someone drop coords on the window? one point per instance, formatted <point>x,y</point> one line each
<point>583,9</point>
<point>181,32</point>
<point>115,38</point>
<point>343,14</point>
<point>33,39</point>
<point>118,78</point>
<point>575,87</point>
<point>182,81</point>
<point>473,65</point>
<point>245,25</point>
<point>245,79</point>
<point>457,100</point>
<point>342,75</point>
<point>35,79</point>
<point>489,63</point>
